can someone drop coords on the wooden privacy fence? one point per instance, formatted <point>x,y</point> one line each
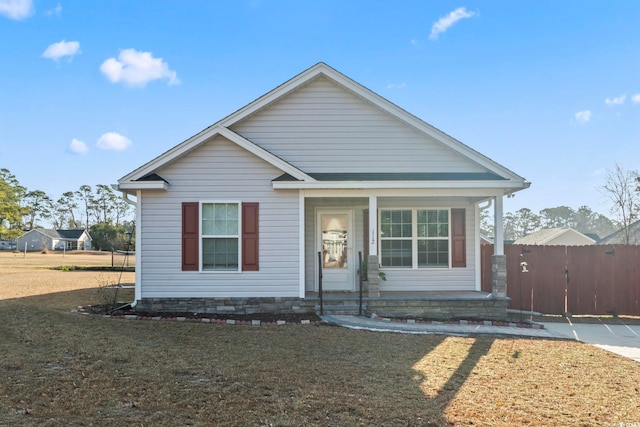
<point>596,279</point>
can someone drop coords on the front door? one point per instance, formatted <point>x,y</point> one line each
<point>335,239</point>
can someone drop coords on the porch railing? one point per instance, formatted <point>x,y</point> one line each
<point>360,280</point>
<point>320,282</point>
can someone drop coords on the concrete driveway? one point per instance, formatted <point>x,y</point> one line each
<point>620,339</point>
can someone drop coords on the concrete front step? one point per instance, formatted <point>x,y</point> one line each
<point>340,309</point>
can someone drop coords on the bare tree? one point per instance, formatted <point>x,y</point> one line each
<point>620,187</point>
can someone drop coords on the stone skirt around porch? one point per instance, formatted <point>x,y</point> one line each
<point>436,305</point>
<point>451,305</point>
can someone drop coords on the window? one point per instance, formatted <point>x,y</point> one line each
<point>414,238</point>
<point>217,228</point>
<point>433,238</point>
<point>396,240</point>
<point>220,236</point>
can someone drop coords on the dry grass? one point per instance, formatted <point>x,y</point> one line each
<point>63,368</point>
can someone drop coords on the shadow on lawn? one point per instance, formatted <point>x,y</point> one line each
<point>458,361</point>
<point>309,375</point>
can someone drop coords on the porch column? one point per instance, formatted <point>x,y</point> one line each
<point>498,226</point>
<point>373,267</point>
<point>498,260</point>
<point>373,225</point>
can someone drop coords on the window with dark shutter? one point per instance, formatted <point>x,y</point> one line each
<point>458,238</point>
<point>190,227</point>
<point>250,240</point>
<point>218,237</point>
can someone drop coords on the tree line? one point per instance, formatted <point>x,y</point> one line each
<point>621,187</point>
<point>524,221</point>
<point>98,210</point>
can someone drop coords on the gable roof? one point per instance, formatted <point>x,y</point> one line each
<point>59,234</point>
<point>145,178</point>
<point>548,236</point>
<point>139,178</point>
<point>71,234</point>
<point>619,236</point>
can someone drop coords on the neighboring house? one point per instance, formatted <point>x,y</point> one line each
<point>561,236</point>
<point>619,237</point>
<point>7,245</point>
<point>242,216</point>
<point>59,240</point>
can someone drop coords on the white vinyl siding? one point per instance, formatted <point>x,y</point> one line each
<point>323,128</point>
<point>219,170</point>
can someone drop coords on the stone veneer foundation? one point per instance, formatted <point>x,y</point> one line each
<point>490,308</point>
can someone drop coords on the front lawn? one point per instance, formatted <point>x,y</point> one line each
<point>63,368</point>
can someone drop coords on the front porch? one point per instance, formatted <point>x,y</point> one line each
<point>435,305</point>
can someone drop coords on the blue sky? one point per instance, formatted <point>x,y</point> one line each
<point>90,90</point>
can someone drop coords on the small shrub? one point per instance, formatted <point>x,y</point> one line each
<point>108,295</point>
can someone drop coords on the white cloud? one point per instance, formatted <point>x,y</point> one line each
<point>635,98</point>
<point>60,49</point>
<point>113,141</point>
<point>618,100</point>
<point>136,69</point>
<point>16,9</point>
<point>447,21</point>
<point>55,11</point>
<point>78,146</point>
<point>396,86</point>
<point>583,116</point>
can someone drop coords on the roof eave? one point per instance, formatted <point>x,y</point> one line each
<point>142,185</point>
<point>509,187</point>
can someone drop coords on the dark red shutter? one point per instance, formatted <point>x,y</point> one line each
<point>190,227</point>
<point>250,241</point>
<point>458,238</point>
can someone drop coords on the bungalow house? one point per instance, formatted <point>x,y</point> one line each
<point>270,208</point>
<point>562,236</point>
<point>58,240</point>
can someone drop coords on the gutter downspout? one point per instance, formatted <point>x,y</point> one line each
<point>125,197</point>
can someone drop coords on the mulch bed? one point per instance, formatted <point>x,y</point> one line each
<point>240,319</point>
<point>277,318</point>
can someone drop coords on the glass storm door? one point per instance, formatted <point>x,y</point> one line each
<point>335,244</point>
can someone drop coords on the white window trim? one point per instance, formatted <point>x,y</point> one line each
<point>201,237</point>
<point>414,237</point>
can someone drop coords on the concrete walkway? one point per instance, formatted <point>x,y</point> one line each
<point>619,339</point>
<point>359,322</point>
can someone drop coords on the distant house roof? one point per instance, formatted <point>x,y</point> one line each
<point>556,236</point>
<point>618,237</point>
<point>60,234</point>
<point>70,234</point>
